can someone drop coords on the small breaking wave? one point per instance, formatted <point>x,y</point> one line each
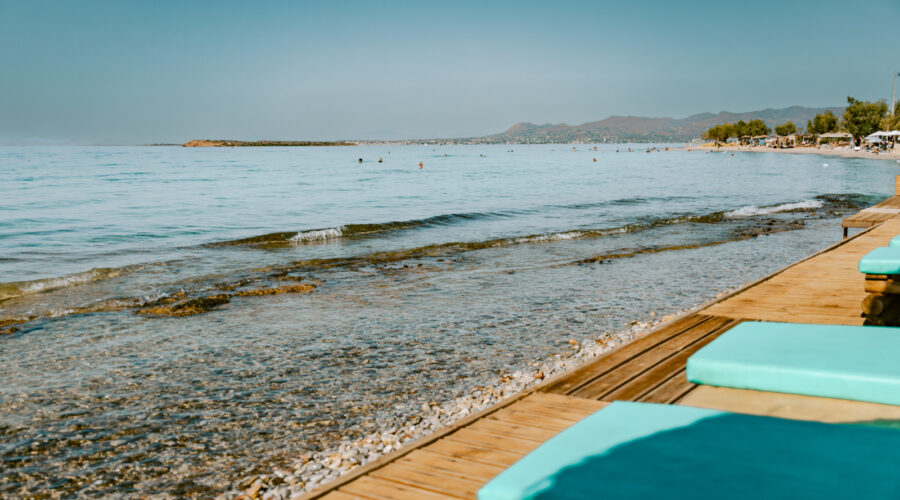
<point>741,218</point>
<point>356,231</point>
<point>754,210</point>
<point>317,235</point>
<point>16,289</point>
<point>361,231</point>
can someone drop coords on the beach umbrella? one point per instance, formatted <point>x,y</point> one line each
<point>881,133</point>
<point>873,138</point>
<point>893,133</point>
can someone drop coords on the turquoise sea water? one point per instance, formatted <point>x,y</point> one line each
<point>427,282</point>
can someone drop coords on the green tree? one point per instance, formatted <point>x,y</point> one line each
<point>892,122</point>
<point>758,127</point>
<point>823,123</point>
<point>786,128</point>
<point>720,133</point>
<point>862,118</point>
<point>741,129</point>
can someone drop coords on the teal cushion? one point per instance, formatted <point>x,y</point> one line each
<point>835,361</point>
<point>884,260</point>
<point>895,242</point>
<point>641,450</point>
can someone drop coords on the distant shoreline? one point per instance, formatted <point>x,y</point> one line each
<point>213,143</point>
<point>845,153</point>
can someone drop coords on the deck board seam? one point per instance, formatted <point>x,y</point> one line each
<point>724,327</point>
<point>608,370</point>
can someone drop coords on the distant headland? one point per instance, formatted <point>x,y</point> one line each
<point>212,143</point>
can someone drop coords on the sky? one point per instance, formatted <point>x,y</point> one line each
<point>128,72</point>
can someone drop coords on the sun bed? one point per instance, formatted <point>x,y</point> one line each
<point>884,260</point>
<point>860,363</point>
<point>881,267</point>
<point>642,450</point>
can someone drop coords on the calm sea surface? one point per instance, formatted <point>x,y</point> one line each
<point>176,319</point>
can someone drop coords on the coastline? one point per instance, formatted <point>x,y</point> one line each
<point>843,153</point>
<point>259,455</point>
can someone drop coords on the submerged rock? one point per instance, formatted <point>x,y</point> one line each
<point>188,307</point>
<point>300,288</point>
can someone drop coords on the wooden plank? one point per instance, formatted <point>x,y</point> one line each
<point>599,387</point>
<point>564,414</point>
<point>489,440</point>
<point>567,415</point>
<point>883,286</point>
<point>474,452</point>
<point>563,401</point>
<point>553,411</point>
<point>594,369</point>
<point>530,420</point>
<point>452,466</point>
<point>340,495</point>
<point>529,433</point>
<point>788,405</point>
<point>430,480</point>
<point>378,488</point>
<point>534,407</point>
<point>670,391</point>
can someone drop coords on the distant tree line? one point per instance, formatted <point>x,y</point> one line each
<point>721,133</point>
<point>860,119</point>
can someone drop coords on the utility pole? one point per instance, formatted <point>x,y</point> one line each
<point>894,94</point>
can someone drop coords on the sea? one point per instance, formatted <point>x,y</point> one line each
<point>175,319</point>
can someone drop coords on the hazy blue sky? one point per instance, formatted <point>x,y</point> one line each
<point>159,71</point>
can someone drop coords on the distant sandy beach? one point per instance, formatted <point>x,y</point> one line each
<point>846,153</point>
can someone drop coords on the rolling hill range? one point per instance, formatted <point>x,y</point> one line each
<point>641,129</point>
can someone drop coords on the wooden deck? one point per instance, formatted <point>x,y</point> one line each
<point>825,289</point>
<point>875,214</point>
<point>456,462</point>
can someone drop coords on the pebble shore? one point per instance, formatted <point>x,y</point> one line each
<point>313,470</point>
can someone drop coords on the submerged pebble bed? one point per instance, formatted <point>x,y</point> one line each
<point>311,471</point>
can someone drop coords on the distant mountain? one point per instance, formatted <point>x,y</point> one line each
<point>641,129</point>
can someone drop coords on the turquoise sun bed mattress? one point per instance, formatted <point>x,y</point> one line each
<point>651,451</point>
<point>860,363</point>
<point>883,260</point>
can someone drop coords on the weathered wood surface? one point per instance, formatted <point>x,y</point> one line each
<point>883,284</point>
<point>788,405</point>
<point>826,289</point>
<point>644,369</point>
<point>875,214</point>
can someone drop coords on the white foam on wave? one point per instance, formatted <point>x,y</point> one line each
<point>752,210</point>
<point>46,284</point>
<point>318,235</point>
<point>571,235</point>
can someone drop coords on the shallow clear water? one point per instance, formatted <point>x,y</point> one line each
<point>427,283</point>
